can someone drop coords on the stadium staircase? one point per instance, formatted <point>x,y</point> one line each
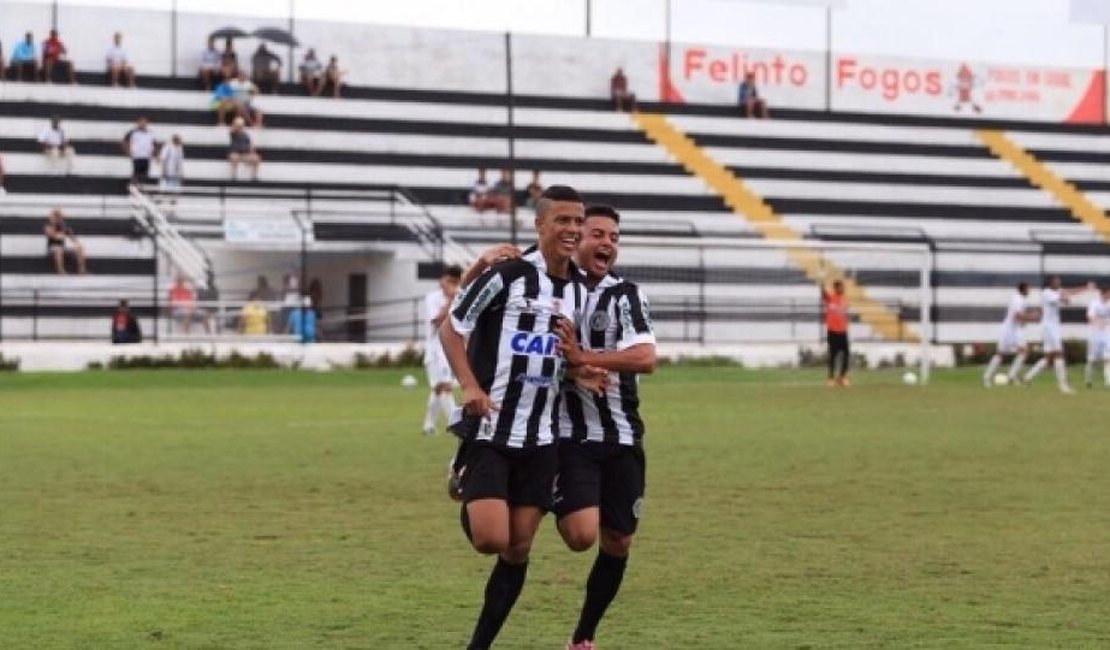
<point>818,176</point>
<point>751,206</point>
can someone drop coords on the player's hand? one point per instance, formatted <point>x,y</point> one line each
<point>591,379</point>
<point>568,342</point>
<point>476,402</point>
<point>500,253</point>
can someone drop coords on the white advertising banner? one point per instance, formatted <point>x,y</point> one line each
<point>252,230</point>
<point>703,74</point>
<point>879,84</point>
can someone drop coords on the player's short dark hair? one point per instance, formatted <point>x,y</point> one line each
<point>561,193</point>
<point>602,210</point>
<point>556,193</point>
<point>452,271</point>
<point>1023,286</point>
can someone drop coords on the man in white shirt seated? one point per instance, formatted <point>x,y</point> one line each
<point>211,62</point>
<point>118,63</point>
<point>55,146</point>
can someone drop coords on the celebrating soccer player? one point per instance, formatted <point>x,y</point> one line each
<point>1010,340</point>
<point>600,483</point>
<point>510,369</point>
<point>1052,298</point>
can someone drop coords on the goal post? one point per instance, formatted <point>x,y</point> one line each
<point>740,290</point>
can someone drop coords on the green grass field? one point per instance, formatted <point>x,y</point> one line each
<point>247,509</point>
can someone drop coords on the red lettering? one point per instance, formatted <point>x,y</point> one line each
<point>891,84</point>
<point>912,81</point>
<point>845,70</point>
<point>718,70</point>
<point>777,65</point>
<point>933,85</point>
<point>693,62</point>
<point>867,78</point>
<point>798,75</point>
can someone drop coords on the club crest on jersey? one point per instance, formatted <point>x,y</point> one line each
<point>534,344</point>
<point>599,320</point>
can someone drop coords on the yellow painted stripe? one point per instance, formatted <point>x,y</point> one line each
<point>1065,193</point>
<point>750,205</point>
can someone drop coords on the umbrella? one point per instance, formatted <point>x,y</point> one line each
<point>275,35</point>
<point>228,32</point>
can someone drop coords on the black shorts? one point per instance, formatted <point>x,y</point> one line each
<point>520,477</point>
<point>608,476</point>
<point>140,167</point>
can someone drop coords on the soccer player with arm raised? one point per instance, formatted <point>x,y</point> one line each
<point>501,344</point>
<point>599,489</point>
<point>1053,297</point>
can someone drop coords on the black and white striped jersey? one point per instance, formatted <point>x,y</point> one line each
<point>509,314</point>
<point>616,318</point>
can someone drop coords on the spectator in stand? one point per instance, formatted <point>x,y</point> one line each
<point>242,150</point>
<point>243,91</point>
<point>312,73</point>
<point>182,305</point>
<point>223,102</point>
<point>264,291</point>
<point>618,92</point>
<point>59,153</point>
<point>208,303</point>
<point>534,189</point>
<point>333,75</point>
<point>210,65</point>
<point>57,232</point>
<point>266,69</point>
<point>125,327</point>
<point>302,321</point>
<point>480,198</point>
<point>54,54</point>
<point>229,61</point>
<point>25,66</point>
<point>316,292</point>
<point>140,146</point>
<point>118,63</point>
<point>254,320</point>
<point>172,161</point>
<point>501,195</point>
<point>290,297</point>
<point>751,105</point>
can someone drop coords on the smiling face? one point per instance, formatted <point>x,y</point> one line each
<point>559,226</point>
<point>597,252</point>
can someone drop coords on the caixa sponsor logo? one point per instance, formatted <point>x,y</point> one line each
<point>543,345</point>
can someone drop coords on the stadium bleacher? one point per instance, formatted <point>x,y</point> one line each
<point>824,176</point>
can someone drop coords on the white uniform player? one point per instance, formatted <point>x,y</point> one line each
<point>1011,339</point>
<point>1053,297</point>
<point>440,380</point>
<point>1098,338</point>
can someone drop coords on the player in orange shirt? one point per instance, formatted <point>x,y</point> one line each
<point>835,306</point>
